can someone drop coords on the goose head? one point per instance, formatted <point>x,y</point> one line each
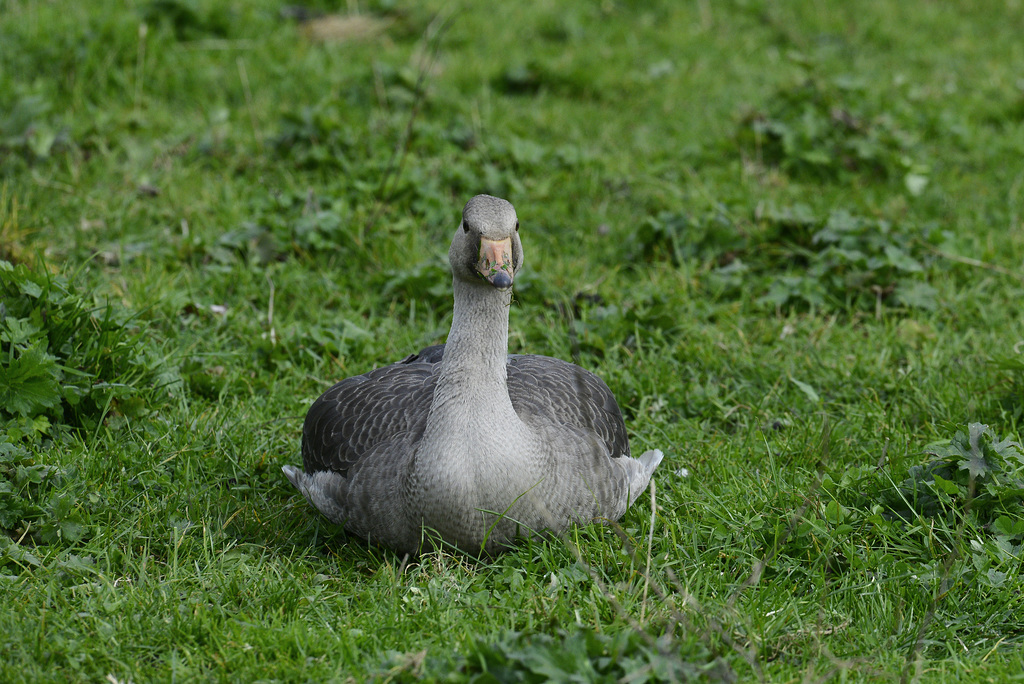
<point>486,247</point>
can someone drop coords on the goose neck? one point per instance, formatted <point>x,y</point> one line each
<point>477,345</point>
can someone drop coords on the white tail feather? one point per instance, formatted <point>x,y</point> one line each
<point>651,459</point>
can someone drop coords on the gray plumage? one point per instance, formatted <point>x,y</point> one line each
<point>464,439</point>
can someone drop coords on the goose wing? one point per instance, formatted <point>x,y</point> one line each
<point>546,389</point>
<point>360,412</point>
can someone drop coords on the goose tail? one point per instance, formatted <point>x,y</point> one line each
<point>292,473</point>
<point>651,459</point>
<point>641,476</point>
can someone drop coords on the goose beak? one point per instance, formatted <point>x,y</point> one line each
<point>495,265</point>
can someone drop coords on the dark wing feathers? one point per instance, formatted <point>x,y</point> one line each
<point>349,419</point>
<point>557,391</point>
<point>358,413</point>
<point>432,354</point>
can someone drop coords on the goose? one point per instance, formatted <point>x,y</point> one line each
<point>464,442</point>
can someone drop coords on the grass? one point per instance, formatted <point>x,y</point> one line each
<point>789,237</point>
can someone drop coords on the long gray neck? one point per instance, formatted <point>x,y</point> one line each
<point>473,370</point>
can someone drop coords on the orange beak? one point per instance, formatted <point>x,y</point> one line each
<point>495,264</point>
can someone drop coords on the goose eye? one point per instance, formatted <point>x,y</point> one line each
<point>517,226</point>
<point>465,225</point>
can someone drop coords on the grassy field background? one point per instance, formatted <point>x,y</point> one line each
<point>788,235</point>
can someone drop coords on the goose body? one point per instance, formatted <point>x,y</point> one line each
<point>463,439</point>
